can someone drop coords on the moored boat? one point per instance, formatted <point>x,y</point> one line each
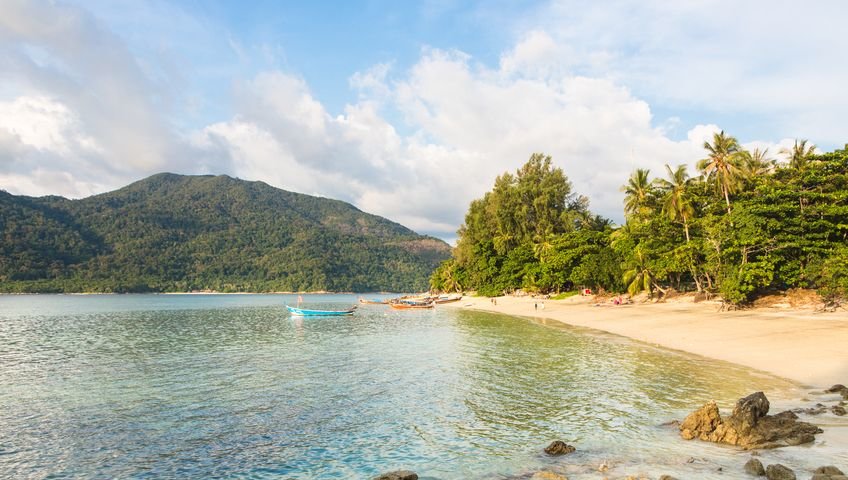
<point>372,302</point>
<point>411,306</point>
<point>445,299</point>
<point>306,312</point>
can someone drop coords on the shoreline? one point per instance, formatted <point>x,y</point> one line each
<point>800,345</point>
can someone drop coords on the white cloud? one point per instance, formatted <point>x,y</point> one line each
<point>81,113</point>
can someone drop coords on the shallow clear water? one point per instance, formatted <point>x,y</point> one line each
<point>231,386</point>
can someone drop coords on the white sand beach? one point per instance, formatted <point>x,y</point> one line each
<point>802,345</point>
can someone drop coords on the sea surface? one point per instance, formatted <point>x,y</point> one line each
<point>231,386</point>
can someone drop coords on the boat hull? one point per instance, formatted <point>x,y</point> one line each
<point>306,312</point>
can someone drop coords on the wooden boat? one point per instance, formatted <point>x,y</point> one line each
<point>441,300</point>
<point>411,306</point>
<point>373,302</point>
<point>306,312</point>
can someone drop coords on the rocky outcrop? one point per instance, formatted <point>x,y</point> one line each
<point>398,475</point>
<point>779,472</point>
<point>840,389</point>
<point>545,475</point>
<point>755,467</point>
<point>828,473</point>
<point>838,410</point>
<point>558,447</point>
<point>748,426</point>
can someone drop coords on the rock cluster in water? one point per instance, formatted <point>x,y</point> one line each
<point>828,473</point>
<point>398,475</point>
<point>558,447</point>
<point>749,426</point>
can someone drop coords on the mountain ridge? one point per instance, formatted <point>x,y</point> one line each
<point>171,232</point>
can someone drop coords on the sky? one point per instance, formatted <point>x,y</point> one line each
<point>408,110</point>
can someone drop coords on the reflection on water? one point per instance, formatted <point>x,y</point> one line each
<point>203,386</point>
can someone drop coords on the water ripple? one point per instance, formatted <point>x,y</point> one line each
<point>231,386</point>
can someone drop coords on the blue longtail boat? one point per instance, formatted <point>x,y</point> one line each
<point>306,312</point>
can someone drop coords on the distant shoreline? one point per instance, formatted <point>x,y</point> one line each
<point>801,345</point>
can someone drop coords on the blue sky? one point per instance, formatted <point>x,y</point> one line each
<point>406,109</point>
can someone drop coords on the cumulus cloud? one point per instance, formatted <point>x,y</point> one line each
<point>81,113</point>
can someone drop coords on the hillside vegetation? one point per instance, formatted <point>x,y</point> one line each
<point>182,233</point>
<point>744,224</point>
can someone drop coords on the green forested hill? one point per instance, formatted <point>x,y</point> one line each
<point>180,233</point>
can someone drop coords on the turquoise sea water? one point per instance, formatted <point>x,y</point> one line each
<point>202,386</point>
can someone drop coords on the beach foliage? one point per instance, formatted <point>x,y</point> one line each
<point>744,225</point>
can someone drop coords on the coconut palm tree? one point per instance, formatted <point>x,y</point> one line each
<point>722,166</point>
<point>756,163</point>
<point>637,193</point>
<point>639,278</point>
<point>799,155</point>
<point>676,203</point>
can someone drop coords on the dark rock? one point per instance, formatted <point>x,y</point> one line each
<point>820,476</point>
<point>749,426</point>
<point>838,388</point>
<point>558,447</point>
<point>801,439</point>
<point>779,472</point>
<point>816,410</point>
<point>838,410</point>
<point>829,470</point>
<point>667,477</point>
<point>748,412</point>
<point>398,475</point>
<point>754,467</point>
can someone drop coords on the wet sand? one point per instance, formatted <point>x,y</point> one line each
<point>802,345</point>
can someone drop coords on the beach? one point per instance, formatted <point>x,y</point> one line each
<point>799,344</point>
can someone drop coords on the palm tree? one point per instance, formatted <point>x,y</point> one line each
<point>722,164</point>
<point>639,278</point>
<point>676,203</point>
<point>637,193</point>
<point>756,163</point>
<point>799,155</point>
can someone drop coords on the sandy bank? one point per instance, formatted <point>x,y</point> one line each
<point>801,345</point>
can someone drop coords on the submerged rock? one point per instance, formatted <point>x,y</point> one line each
<point>828,473</point>
<point>779,472</point>
<point>558,447</point>
<point>815,410</point>
<point>838,410</point>
<point>398,475</point>
<point>749,426</point>
<point>755,467</point>
<point>545,475</point>
<point>840,389</point>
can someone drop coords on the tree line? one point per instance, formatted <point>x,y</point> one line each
<point>743,224</point>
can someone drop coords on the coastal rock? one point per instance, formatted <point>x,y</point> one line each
<point>558,447</point>
<point>749,426</point>
<point>838,410</point>
<point>545,475</point>
<point>840,389</point>
<point>755,467</point>
<point>667,477</point>
<point>779,472</point>
<point>398,475</point>
<point>815,410</point>
<point>828,471</point>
